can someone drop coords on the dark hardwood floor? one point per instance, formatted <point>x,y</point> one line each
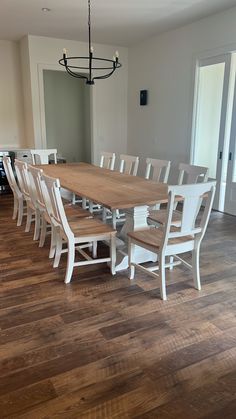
<point>103,347</point>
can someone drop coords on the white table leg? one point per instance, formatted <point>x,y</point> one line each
<point>136,219</point>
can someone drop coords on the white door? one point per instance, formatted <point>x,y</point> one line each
<point>210,142</point>
<point>230,197</point>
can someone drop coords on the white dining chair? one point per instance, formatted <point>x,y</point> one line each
<point>45,221</point>
<point>72,212</point>
<point>77,234</point>
<point>129,164</point>
<point>172,241</point>
<point>29,196</point>
<point>188,174</point>
<point>157,170</point>
<point>42,156</point>
<point>107,160</point>
<point>18,210</point>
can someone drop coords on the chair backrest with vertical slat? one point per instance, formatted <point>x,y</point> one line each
<point>35,179</point>
<point>129,164</point>
<point>21,173</point>
<point>52,196</point>
<point>43,156</point>
<point>191,198</point>
<point>189,173</point>
<point>29,191</point>
<point>107,160</point>
<point>157,170</point>
<point>10,176</point>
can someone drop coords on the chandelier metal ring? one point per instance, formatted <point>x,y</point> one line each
<point>61,61</point>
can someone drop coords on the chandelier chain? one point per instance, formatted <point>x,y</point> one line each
<point>89,12</point>
<point>89,24</point>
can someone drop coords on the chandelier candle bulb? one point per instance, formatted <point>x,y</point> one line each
<point>92,50</point>
<point>64,51</point>
<point>117,54</point>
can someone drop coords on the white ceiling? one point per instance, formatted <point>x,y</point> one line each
<point>121,22</point>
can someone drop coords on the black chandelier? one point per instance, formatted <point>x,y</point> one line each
<point>93,63</point>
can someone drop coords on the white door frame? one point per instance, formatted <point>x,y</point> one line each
<point>230,198</point>
<point>56,67</point>
<point>202,62</point>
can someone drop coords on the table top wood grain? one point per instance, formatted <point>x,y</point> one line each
<point>111,189</point>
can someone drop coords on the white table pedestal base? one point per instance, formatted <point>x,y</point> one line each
<point>136,219</point>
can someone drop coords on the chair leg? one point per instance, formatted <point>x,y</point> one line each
<point>16,205</point>
<point>70,262</point>
<point>130,255</point>
<point>20,212</point>
<point>196,270</point>
<point>162,276</point>
<point>53,242</point>
<point>95,244</point>
<point>114,219</point>
<point>58,251</point>
<point>43,232</point>
<point>37,225</point>
<point>91,207</point>
<point>84,203</point>
<point>113,254</point>
<point>171,263</point>
<point>29,219</point>
<point>104,215</point>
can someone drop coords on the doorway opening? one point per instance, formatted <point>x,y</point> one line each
<point>214,133</point>
<point>67,116</point>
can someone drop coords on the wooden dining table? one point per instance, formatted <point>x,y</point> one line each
<point>114,190</point>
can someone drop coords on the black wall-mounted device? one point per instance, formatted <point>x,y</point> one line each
<point>143,97</point>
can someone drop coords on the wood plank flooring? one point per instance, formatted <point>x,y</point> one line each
<point>104,347</point>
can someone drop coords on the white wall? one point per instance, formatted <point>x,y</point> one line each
<point>27,94</point>
<point>11,97</point>
<point>165,65</point>
<point>109,107</point>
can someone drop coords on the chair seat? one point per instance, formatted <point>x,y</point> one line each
<point>90,227</point>
<point>159,216</point>
<point>76,211</point>
<point>153,237</point>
